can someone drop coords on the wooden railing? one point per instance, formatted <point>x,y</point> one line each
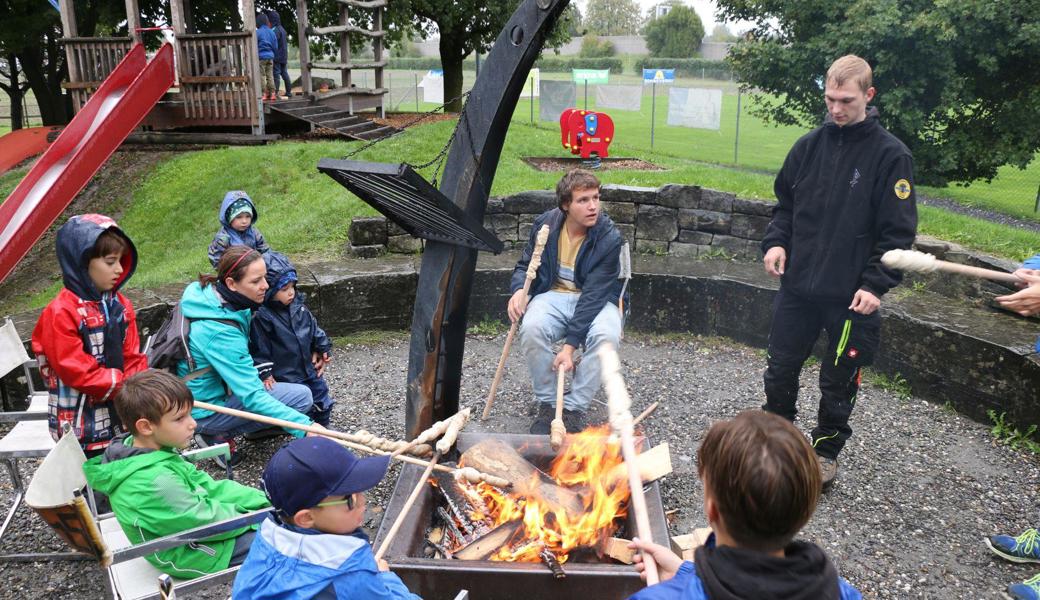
<point>216,75</point>
<point>91,60</point>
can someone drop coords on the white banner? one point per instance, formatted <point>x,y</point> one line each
<point>432,85</point>
<point>556,97</point>
<point>695,107</point>
<point>621,97</point>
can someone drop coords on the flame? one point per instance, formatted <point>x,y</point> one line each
<point>585,464</point>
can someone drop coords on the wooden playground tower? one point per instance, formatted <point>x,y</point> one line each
<point>218,74</point>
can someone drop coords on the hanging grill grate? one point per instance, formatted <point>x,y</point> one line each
<point>404,197</point>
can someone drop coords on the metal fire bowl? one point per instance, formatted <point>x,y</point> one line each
<point>436,579</point>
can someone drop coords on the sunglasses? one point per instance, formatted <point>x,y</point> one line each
<point>349,501</point>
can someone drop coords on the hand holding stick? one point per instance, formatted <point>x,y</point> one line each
<point>557,430</point>
<point>532,272</point>
<point>912,260</point>
<point>619,403</point>
<point>443,446</point>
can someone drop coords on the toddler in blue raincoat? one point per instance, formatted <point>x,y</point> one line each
<point>237,217</point>
<point>285,340</point>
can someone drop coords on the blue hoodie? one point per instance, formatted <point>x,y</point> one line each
<point>227,237</point>
<point>281,55</point>
<point>225,347</point>
<point>299,564</point>
<point>266,42</point>
<point>282,338</point>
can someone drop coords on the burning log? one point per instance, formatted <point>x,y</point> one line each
<point>550,561</point>
<point>497,457</point>
<point>486,545</point>
<point>617,549</point>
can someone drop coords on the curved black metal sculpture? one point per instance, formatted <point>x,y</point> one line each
<point>446,275</point>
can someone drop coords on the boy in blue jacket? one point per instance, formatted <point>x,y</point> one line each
<point>761,484</point>
<point>285,340</point>
<point>313,548</point>
<point>237,216</point>
<point>266,46</point>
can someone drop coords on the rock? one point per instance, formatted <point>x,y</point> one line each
<point>933,246</point>
<point>524,230</point>
<point>404,244</point>
<point>651,247</point>
<point>367,231</point>
<point>748,226</point>
<point>534,202</point>
<point>705,220</point>
<point>716,200</point>
<point>369,251</point>
<point>679,196</point>
<point>627,193</point>
<point>628,232</point>
<point>393,229</point>
<point>494,206</point>
<point>682,250</point>
<point>735,247</point>
<point>503,225</point>
<point>620,212</point>
<point>700,238</point>
<point>759,208</point>
<point>656,223</point>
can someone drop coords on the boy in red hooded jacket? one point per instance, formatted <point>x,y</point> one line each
<point>86,338</point>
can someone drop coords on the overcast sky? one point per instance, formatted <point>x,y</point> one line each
<point>704,8</point>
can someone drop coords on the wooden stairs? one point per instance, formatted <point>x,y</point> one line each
<point>351,126</point>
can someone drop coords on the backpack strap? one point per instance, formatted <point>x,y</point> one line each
<point>194,373</point>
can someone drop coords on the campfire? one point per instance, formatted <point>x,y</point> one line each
<point>561,528</point>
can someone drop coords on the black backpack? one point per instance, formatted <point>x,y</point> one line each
<point>169,344</point>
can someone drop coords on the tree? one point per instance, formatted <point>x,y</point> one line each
<point>721,33</point>
<point>612,17</point>
<point>675,35</point>
<point>464,26</point>
<point>14,87</point>
<point>956,80</point>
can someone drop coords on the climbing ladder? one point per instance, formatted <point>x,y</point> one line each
<point>342,121</point>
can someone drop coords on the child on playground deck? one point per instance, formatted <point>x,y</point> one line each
<point>237,216</point>
<point>285,340</point>
<point>86,338</point>
<point>761,484</point>
<point>155,492</point>
<point>313,546</point>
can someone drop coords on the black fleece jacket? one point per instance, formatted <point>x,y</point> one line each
<point>844,197</point>
<point>596,269</point>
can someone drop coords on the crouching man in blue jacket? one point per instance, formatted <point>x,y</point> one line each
<point>574,298</point>
<point>761,484</point>
<point>314,548</point>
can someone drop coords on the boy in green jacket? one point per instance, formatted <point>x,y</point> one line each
<point>154,492</point>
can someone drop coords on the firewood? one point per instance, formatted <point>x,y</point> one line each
<point>486,545</point>
<point>652,465</point>
<point>500,459</point>
<point>617,549</point>
<point>687,544</point>
<point>552,562</point>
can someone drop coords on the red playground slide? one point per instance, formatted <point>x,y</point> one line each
<point>115,109</point>
<point>19,145</point>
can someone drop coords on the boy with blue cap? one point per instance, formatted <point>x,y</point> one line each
<point>313,548</point>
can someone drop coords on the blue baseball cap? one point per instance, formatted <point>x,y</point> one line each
<point>307,470</point>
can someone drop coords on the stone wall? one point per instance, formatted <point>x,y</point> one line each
<point>682,220</point>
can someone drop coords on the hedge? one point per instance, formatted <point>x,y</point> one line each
<point>688,67</point>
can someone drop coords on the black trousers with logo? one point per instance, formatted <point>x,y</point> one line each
<point>853,340</point>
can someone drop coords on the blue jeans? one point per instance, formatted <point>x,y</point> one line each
<point>545,322</point>
<point>293,395</point>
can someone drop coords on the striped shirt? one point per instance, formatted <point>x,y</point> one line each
<point>568,253</point>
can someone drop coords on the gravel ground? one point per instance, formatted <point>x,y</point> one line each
<point>919,485</point>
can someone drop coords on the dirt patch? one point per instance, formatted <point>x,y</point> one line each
<point>109,192</point>
<point>606,164</point>
<point>405,120</point>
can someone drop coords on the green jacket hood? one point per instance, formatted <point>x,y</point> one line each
<point>120,461</point>
<point>199,302</point>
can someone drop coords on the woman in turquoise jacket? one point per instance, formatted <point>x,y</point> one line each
<point>220,309</point>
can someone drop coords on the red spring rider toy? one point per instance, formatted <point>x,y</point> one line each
<point>586,132</point>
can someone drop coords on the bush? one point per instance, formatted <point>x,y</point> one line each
<point>425,64</point>
<point>677,34</point>
<point>688,67</point>
<point>557,64</point>
<point>594,47</point>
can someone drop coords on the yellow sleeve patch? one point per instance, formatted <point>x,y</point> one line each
<point>902,189</point>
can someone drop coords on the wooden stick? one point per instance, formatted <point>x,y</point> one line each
<point>646,413</point>
<point>557,430</point>
<point>469,474</point>
<point>452,432</point>
<point>401,516</point>
<point>532,272</point>
<point>913,260</point>
<point>619,404</point>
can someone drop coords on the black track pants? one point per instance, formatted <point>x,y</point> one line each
<point>853,340</point>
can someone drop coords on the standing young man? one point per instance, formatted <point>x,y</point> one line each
<point>844,197</point>
<point>574,298</point>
